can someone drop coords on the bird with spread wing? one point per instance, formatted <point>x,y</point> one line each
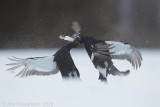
<point>102,52</point>
<point>48,65</point>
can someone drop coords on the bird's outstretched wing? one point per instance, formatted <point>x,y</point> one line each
<point>34,66</point>
<point>122,51</point>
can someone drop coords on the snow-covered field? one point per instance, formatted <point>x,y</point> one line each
<point>140,89</point>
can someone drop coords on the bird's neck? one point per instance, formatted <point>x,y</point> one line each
<point>88,41</point>
<point>69,46</point>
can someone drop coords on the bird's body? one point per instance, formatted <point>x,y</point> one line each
<point>102,62</point>
<point>60,61</point>
<point>64,61</point>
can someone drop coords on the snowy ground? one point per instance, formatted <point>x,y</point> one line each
<point>140,89</point>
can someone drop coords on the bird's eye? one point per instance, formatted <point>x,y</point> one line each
<point>79,39</point>
<point>75,43</point>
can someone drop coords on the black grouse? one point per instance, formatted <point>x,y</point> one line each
<point>102,52</point>
<point>60,61</point>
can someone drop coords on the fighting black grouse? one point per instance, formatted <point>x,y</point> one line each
<point>102,52</point>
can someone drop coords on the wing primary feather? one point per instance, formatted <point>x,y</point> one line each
<point>15,67</point>
<point>133,63</point>
<point>102,56</point>
<point>138,52</point>
<point>111,47</point>
<point>21,72</point>
<point>12,64</point>
<point>102,49</point>
<point>103,45</point>
<point>139,61</point>
<point>22,75</point>
<point>135,60</point>
<point>16,58</point>
<point>137,56</point>
<point>105,53</point>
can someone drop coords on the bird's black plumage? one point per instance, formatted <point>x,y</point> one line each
<point>60,61</point>
<point>65,62</point>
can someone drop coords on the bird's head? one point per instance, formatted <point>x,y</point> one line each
<point>78,39</point>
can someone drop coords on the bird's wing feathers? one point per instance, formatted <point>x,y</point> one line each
<point>67,38</point>
<point>101,51</point>
<point>34,66</point>
<point>122,51</point>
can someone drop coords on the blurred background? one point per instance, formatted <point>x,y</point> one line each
<point>31,28</point>
<point>38,23</point>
